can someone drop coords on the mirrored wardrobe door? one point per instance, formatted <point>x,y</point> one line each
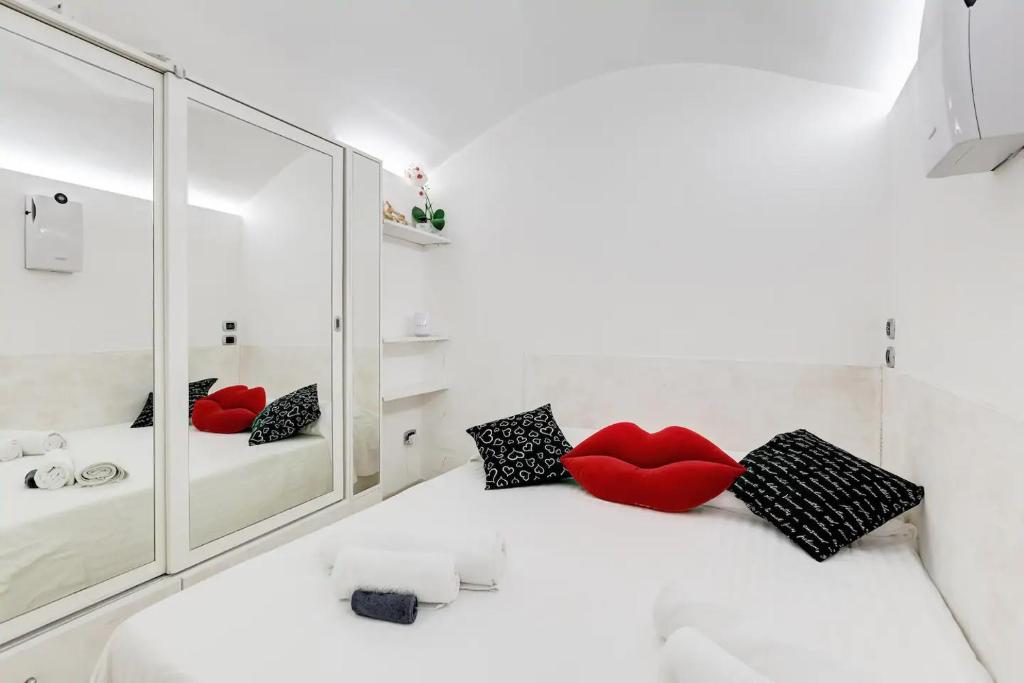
<point>363,248</point>
<point>79,456</point>
<point>261,236</point>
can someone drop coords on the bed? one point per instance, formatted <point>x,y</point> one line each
<point>54,543</point>
<point>575,604</point>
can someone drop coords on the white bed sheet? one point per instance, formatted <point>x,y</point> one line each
<point>575,605</point>
<point>54,543</point>
<point>234,484</point>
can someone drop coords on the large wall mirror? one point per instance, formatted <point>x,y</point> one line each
<point>363,236</point>
<point>80,430</point>
<point>262,344</point>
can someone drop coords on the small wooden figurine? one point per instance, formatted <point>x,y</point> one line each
<point>394,216</point>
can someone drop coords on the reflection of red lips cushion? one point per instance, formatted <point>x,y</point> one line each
<point>673,470</point>
<point>229,410</point>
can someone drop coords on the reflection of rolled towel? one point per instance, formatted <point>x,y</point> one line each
<point>37,442</point>
<point>9,449</point>
<point>429,576</point>
<point>97,473</point>
<point>479,552</point>
<point>689,656</point>
<point>55,470</point>
<point>399,608</point>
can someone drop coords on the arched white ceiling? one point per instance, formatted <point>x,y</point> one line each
<point>407,79</point>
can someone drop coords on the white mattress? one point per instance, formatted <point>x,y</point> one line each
<point>234,484</point>
<point>54,543</point>
<point>575,605</point>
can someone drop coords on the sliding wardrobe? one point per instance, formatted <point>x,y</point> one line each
<point>190,356</point>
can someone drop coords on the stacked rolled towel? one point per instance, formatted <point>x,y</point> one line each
<point>431,577</point>
<point>97,473</point>
<point>55,470</point>
<point>36,442</point>
<point>479,553</point>
<point>10,449</point>
<point>398,608</point>
<point>689,656</point>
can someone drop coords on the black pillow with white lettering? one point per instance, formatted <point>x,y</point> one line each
<point>521,450</point>
<point>145,418</point>
<point>283,418</point>
<point>818,495</point>
<point>196,390</point>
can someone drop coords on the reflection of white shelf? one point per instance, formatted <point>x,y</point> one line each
<point>414,235</point>
<point>413,340</point>
<point>410,390</point>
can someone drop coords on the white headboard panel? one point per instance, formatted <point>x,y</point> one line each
<point>739,405</point>
<point>967,456</point>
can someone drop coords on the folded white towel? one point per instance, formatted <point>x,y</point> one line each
<point>97,472</point>
<point>37,442</point>
<point>689,656</point>
<point>10,449</point>
<point>55,470</point>
<point>479,553</point>
<point>430,577</point>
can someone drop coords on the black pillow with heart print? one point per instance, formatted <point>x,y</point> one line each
<point>521,450</point>
<point>196,390</point>
<point>283,418</point>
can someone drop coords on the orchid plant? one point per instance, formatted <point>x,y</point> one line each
<point>417,177</point>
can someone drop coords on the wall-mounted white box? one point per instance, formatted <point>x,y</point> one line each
<point>53,234</point>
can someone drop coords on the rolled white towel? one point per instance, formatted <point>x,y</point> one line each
<point>480,553</point>
<point>97,472</point>
<point>675,608</point>
<point>37,442</point>
<point>431,577</point>
<point>689,656</point>
<point>10,449</point>
<point>55,470</point>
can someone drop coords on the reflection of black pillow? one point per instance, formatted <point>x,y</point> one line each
<point>521,450</point>
<point>145,418</point>
<point>818,495</point>
<point>196,391</point>
<point>284,417</point>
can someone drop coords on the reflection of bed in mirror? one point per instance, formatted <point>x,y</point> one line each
<point>234,485</point>
<point>54,543</point>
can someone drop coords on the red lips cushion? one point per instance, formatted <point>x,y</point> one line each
<point>673,470</point>
<point>229,410</point>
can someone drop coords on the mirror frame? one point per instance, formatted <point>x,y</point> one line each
<point>177,94</point>
<point>27,27</point>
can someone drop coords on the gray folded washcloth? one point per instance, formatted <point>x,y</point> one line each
<point>399,608</point>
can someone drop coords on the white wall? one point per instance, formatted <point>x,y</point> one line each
<point>215,289</point>
<point>692,211</point>
<point>286,257</point>
<point>954,418</point>
<point>108,306</point>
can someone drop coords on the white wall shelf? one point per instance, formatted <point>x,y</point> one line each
<point>414,235</point>
<point>411,390</point>
<point>413,340</point>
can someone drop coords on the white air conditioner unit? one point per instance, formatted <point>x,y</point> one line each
<point>971,84</point>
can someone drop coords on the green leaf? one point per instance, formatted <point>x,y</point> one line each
<point>437,220</point>
<point>418,215</point>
